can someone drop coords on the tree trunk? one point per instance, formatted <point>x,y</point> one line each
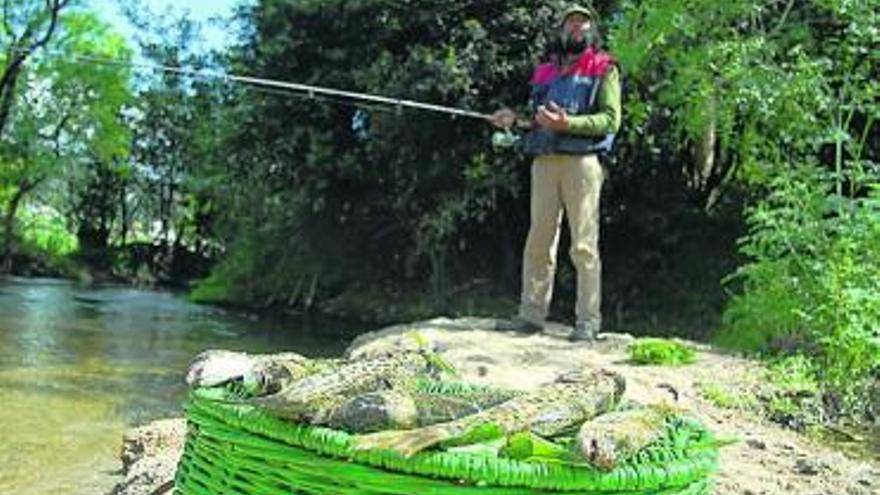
<point>704,154</point>
<point>708,172</point>
<point>7,93</point>
<point>123,207</point>
<point>11,247</point>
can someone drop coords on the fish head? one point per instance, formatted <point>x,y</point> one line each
<point>599,449</point>
<point>587,373</point>
<point>579,374</point>
<point>213,367</point>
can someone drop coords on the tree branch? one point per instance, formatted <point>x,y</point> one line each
<point>55,6</point>
<point>19,55</point>
<point>54,137</point>
<point>782,19</point>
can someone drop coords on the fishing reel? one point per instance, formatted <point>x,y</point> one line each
<point>505,138</point>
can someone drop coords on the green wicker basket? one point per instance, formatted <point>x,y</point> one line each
<point>236,449</point>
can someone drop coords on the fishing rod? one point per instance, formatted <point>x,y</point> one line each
<point>503,138</point>
<point>307,89</point>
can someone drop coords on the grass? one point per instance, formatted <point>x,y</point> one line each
<point>724,397</point>
<point>663,352</point>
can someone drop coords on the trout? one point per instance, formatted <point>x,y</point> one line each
<point>573,398</point>
<point>401,409</point>
<point>313,398</point>
<point>612,437</point>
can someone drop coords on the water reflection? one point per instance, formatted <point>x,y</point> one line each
<point>79,364</point>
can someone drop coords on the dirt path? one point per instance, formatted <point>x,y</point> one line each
<point>767,459</point>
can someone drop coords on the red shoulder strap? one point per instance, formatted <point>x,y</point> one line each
<point>592,63</point>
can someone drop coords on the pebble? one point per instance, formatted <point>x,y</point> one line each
<point>756,444</point>
<point>803,466</point>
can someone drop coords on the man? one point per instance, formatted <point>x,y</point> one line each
<point>576,103</point>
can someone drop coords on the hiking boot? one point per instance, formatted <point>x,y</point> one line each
<point>584,331</point>
<point>518,324</point>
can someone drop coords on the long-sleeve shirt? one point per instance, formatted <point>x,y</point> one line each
<point>607,118</point>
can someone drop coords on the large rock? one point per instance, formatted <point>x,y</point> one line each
<point>149,457</point>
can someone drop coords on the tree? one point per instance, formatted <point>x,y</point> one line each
<point>174,138</point>
<point>68,117</point>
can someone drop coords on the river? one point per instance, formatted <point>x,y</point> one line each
<point>78,365</point>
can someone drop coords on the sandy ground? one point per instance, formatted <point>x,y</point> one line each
<point>766,459</point>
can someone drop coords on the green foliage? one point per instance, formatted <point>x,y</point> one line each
<point>794,375</point>
<point>732,75</point>
<point>794,393</point>
<point>212,290</point>
<point>661,352</point>
<point>814,280</point>
<point>251,271</point>
<point>90,99</point>
<point>47,232</point>
<point>724,397</point>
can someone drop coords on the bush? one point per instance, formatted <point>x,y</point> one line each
<point>813,282</point>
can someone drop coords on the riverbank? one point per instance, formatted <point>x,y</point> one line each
<point>766,459</point>
<point>79,364</point>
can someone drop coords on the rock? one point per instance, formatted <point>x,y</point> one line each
<point>482,359</point>
<point>614,341</point>
<point>531,357</point>
<point>756,444</point>
<point>149,457</point>
<point>673,392</point>
<point>806,467</point>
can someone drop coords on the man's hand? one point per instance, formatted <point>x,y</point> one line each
<point>503,118</point>
<point>552,117</point>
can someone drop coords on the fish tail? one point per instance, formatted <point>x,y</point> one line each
<point>280,406</point>
<point>407,443</point>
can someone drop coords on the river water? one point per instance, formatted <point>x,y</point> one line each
<point>78,365</point>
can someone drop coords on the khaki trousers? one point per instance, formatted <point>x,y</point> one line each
<point>572,182</point>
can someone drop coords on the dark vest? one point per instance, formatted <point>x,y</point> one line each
<point>575,91</point>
